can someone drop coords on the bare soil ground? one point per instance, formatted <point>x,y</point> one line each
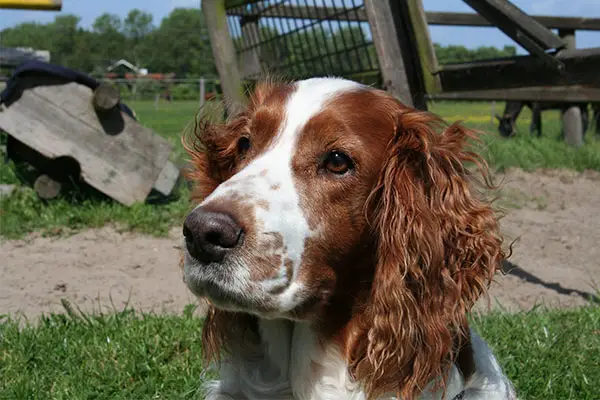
<point>554,215</point>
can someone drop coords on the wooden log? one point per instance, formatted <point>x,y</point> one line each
<point>106,97</point>
<point>46,187</point>
<point>224,54</point>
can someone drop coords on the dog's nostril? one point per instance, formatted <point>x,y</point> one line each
<point>210,235</point>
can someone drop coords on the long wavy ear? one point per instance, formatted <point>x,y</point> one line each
<point>438,249</point>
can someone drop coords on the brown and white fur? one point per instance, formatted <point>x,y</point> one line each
<point>341,243</point>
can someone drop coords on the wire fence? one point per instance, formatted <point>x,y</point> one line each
<point>300,38</point>
<point>167,90</point>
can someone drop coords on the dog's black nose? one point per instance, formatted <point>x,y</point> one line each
<point>210,235</point>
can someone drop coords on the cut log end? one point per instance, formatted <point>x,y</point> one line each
<point>46,187</point>
<point>106,97</point>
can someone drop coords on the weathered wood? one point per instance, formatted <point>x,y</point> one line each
<point>391,44</point>
<point>40,5</point>
<point>106,97</point>
<point>470,19</point>
<point>571,117</point>
<point>224,54</point>
<point>249,59</point>
<point>58,119</point>
<point>429,63</point>
<point>167,179</point>
<point>565,94</point>
<point>433,17</point>
<point>46,187</point>
<point>581,68</point>
<point>573,126</point>
<point>516,24</point>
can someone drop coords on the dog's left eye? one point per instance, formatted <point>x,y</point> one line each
<point>338,163</point>
<point>243,145</point>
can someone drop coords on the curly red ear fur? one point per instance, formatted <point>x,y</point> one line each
<point>438,249</point>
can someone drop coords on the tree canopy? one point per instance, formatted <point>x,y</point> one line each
<point>180,44</point>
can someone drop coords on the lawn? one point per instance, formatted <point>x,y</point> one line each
<point>23,212</point>
<point>548,355</point>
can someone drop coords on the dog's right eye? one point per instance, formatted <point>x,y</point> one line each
<point>243,145</point>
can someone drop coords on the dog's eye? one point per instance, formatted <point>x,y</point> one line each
<point>243,145</point>
<point>338,163</point>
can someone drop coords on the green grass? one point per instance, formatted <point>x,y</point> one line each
<point>23,212</point>
<point>547,354</point>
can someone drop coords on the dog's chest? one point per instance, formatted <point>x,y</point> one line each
<point>290,365</point>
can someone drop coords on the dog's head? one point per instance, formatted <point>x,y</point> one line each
<point>330,202</point>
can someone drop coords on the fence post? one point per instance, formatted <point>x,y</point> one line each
<point>571,116</point>
<point>202,92</point>
<point>224,53</point>
<point>393,36</point>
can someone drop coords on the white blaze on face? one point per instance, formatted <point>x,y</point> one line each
<point>273,169</point>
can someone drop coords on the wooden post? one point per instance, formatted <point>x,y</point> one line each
<point>571,116</point>
<point>224,54</point>
<point>202,91</point>
<point>426,51</point>
<point>250,58</point>
<point>385,38</point>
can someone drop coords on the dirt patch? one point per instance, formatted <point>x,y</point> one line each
<point>554,215</point>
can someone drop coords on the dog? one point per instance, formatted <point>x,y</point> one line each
<point>340,242</point>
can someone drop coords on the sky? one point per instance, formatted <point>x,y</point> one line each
<point>470,37</point>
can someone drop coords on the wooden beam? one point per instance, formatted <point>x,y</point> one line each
<point>555,94</point>
<point>395,51</point>
<point>224,54</point>
<point>433,17</point>
<point>42,5</point>
<point>571,117</point>
<point>581,68</point>
<point>426,51</point>
<point>470,19</point>
<point>521,28</point>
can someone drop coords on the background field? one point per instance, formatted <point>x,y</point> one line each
<point>24,212</point>
<point>548,353</point>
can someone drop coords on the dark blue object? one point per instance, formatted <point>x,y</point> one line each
<point>35,67</point>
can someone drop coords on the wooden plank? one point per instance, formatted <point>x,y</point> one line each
<point>470,19</point>
<point>393,44</point>
<point>224,54</point>
<point>118,157</point>
<point>565,94</point>
<point>581,68</point>
<point>41,5</point>
<point>428,59</point>
<point>166,179</point>
<point>516,24</point>
<point>433,17</point>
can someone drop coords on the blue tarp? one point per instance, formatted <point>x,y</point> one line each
<point>35,67</point>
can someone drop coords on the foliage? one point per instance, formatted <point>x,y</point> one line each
<point>180,44</point>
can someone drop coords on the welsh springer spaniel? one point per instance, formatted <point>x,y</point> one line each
<point>340,244</point>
